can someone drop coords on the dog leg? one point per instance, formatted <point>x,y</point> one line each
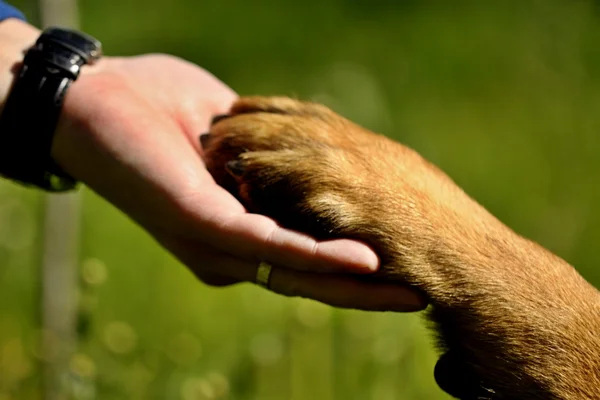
<point>519,322</point>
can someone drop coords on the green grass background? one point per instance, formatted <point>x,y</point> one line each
<point>503,95</point>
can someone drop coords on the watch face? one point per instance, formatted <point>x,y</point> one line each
<point>89,48</point>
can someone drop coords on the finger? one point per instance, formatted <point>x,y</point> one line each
<point>259,237</point>
<point>335,290</point>
<point>213,267</point>
<point>214,279</point>
<point>285,247</point>
<point>346,292</point>
<point>215,211</point>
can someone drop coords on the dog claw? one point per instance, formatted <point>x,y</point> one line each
<point>205,140</point>
<point>218,118</point>
<point>235,168</point>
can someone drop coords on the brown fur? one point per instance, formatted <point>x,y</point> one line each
<point>516,321</point>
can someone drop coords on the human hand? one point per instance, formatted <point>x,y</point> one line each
<point>129,130</point>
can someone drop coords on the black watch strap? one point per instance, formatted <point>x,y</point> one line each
<point>31,112</point>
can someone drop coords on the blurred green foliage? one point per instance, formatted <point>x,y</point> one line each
<point>503,95</point>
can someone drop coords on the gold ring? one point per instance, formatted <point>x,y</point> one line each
<point>263,274</point>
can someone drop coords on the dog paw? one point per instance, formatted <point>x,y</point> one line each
<point>314,171</point>
<point>490,290</point>
<point>288,159</point>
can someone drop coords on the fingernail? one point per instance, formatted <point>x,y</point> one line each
<point>218,118</point>
<point>235,168</point>
<point>205,139</point>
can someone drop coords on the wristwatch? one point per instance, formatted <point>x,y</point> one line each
<point>32,109</point>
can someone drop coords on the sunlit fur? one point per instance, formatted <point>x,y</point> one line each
<point>519,322</point>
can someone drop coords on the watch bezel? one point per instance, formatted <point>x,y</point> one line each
<point>86,46</point>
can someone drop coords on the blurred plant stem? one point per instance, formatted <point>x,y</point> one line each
<point>60,251</point>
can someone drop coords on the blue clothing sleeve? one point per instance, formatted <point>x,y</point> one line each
<point>8,11</point>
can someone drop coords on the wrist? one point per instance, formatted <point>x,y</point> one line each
<point>74,131</point>
<point>16,37</point>
<point>33,100</point>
